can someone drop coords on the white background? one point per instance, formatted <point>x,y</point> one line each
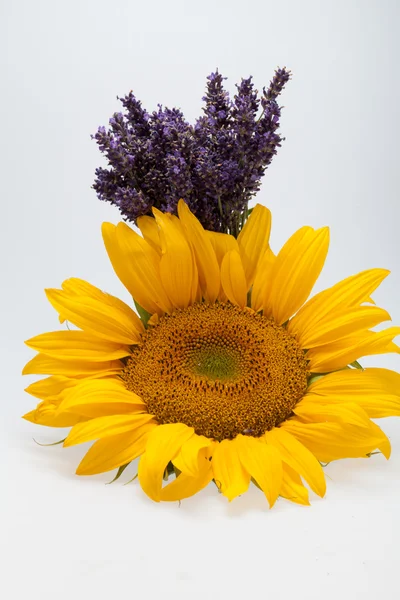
<point>63,63</point>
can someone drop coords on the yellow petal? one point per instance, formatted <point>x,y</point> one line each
<point>262,281</point>
<point>341,323</point>
<point>294,454</point>
<point>376,405</point>
<point>263,463</point>
<point>41,364</point>
<point>178,270</point>
<point>164,443</point>
<point>79,287</point>
<point>331,441</point>
<point>253,240</point>
<point>230,477</point>
<point>222,244</point>
<point>350,292</point>
<point>376,390</point>
<point>350,413</point>
<point>102,427</point>
<point>295,271</point>
<point>185,486</point>
<point>98,397</point>
<point>384,443</point>
<point>50,387</point>
<point>46,414</point>
<point>145,266</point>
<point>292,488</point>
<point>233,279</point>
<point>335,356</point>
<point>96,317</point>
<point>149,230</point>
<point>114,451</point>
<point>187,460</point>
<point>77,345</point>
<point>206,260</point>
<point>137,265</point>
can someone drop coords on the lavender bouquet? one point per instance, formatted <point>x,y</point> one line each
<point>215,165</point>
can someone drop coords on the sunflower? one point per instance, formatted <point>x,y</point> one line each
<point>229,374</point>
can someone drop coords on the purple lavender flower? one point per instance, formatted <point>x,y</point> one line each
<point>216,165</point>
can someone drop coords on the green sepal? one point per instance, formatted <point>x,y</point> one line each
<point>170,470</point>
<point>119,473</point>
<point>133,479</point>
<point>53,444</point>
<point>255,483</point>
<point>314,378</point>
<point>218,485</point>
<point>249,297</point>
<point>143,314</point>
<point>356,365</point>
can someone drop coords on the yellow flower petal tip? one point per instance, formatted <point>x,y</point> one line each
<point>230,374</point>
<point>29,416</point>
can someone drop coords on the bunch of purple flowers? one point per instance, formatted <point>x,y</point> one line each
<point>215,166</point>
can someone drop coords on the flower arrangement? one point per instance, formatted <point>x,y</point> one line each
<point>226,372</point>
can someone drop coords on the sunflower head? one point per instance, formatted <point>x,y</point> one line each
<point>218,368</point>
<point>230,375</point>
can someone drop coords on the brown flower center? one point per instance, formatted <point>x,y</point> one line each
<point>219,369</point>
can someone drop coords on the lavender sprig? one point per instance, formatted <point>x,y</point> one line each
<point>216,165</point>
